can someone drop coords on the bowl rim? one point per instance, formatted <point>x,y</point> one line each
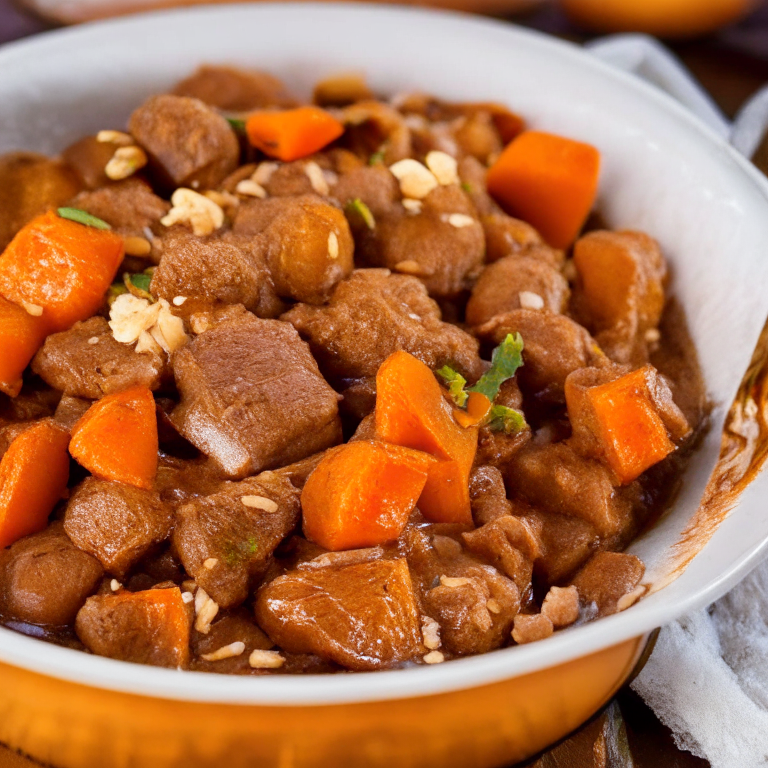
<point>417,681</point>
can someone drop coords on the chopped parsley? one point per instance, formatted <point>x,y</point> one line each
<point>376,158</point>
<point>456,383</point>
<point>237,123</point>
<point>507,358</point>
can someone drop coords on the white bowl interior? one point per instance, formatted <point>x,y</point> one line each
<point>663,172</point>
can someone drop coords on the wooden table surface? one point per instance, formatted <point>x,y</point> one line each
<point>732,66</point>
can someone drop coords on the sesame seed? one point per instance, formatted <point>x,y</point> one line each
<point>179,300</point>
<point>530,300</point>
<point>443,166</point>
<point>250,188</point>
<point>115,585</point>
<point>450,581</point>
<point>187,597</point>
<point>493,606</point>
<point>333,245</point>
<point>259,502</point>
<point>211,563</point>
<point>316,178</point>
<point>411,205</point>
<point>32,309</point>
<point>225,652</point>
<point>266,660</point>
<point>652,335</point>
<point>93,340</point>
<point>460,220</point>
<point>137,246</point>
<point>408,267</point>
<point>434,657</point>
<point>264,171</point>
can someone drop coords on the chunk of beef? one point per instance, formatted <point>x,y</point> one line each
<point>70,410</point>
<point>129,206</point>
<point>116,523</point>
<point>188,143</point>
<point>30,184</point>
<point>370,316</point>
<point>506,236</point>
<point>149,627</point>
<point>373,185</point>
<point>555,346</point>
<point>88,157</point>
<point>443,245</point>
<point>362,616</point>
<point>226,540</point>
<point>306,244</point>
<point>180,479</point>
<point>607,578</point>
<point>472,174</point>
<point>472,602</point>
<point>45,578</point>
<point>225,268</point>
<point>86,361</point>
<point>556,479</point>
<point>252,397</point>
<point>235,628</point>
<point>566,544</point>
<point>620,290</point>
<point>503,285</point>
<point>235,90</point>
<point>495,447</point>
<point>372,126</point>
<point>488,495</point>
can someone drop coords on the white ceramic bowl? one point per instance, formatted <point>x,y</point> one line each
<point>663,172</point>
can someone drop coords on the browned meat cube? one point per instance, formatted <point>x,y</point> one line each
<point>361,616</point>
<point>45,578</point>
<point>373,185</point>
<point>554,347</point>
<point>488,495</point>
<point>30,184</point>
<point>70,410</point>
<point>227,268</point>
<point>149,627</point>
<point>370,316</point>
<point>88,157</point>
<point>129,206</point>
<point>505,236</point>
<point>608,580</point>
<point>443,245</point>
<point>510,544</point>
<point>188,143</point>
<point>235,90</point>
<point>252,397</point>
<point>305,242</point>
<point>226,540</point>
<point>620,289</point>
<point>566,544</point>
<point>86,361</point>
<point>116,523</point>
<point>516,282</point>
<point>212,651</point>
<point>557,479</point>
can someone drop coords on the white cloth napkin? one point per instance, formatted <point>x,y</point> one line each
<point>707,679</point>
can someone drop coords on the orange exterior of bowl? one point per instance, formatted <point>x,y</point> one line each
<point>73,726</point>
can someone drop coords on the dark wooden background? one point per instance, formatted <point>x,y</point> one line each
<point>732,65</point>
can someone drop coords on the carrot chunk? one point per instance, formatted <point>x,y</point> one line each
<point>361,494</point>
<point>411,411</point>
<point>33,476</point>
<point>21,335</point>
<point>628,425</point>
<point>61,266</point>
<point>116,438</point>
<point>292,133</point>
<point>548,181</point>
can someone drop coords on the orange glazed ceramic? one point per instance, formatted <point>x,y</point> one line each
<point>69,725</point>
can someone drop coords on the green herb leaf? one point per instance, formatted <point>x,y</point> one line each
<point>138,285</point>
<point>363,211</point>
<point>507,358</point>
<point>82,217</point>
<point>141,281</point>
<point>115,290</point>
<point>376,157</point>
<point>237,123</point>
<point>504,419</point>
<point>467,187</point>
<point>456,383</point>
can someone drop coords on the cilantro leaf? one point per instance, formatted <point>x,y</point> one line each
<point>456,383</point>
<point>362,211</point>
<point>504,419</point>
<point>507,358</point>
<point>82,217</point>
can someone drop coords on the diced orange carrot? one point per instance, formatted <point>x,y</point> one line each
<point>411,411</point>
<point>291,134</point>
<point>629,427</point>
<point>478,406</point>
<point>548,181</point>
<point>21,335</point>
<point>116,438</point>
<point>33,476</point>
<point>61,266</point>
<point>362,493</point>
